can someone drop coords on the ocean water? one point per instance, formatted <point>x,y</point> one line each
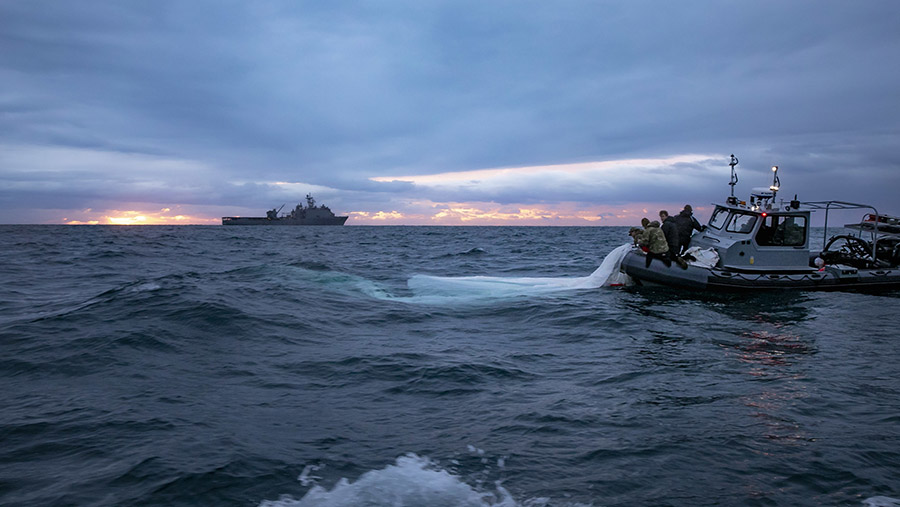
<point>432,366</point>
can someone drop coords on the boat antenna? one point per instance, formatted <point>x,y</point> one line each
<point>776,183</point>
<point>734,178</point>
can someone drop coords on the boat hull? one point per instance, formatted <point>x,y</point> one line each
<point>283,221</point>
<point>702,278</point>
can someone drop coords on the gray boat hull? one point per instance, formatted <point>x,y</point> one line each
<point>283,221</point>
<point>716,279</point>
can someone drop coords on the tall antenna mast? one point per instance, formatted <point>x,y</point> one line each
<point>776,183</point>
<point>734,179</point>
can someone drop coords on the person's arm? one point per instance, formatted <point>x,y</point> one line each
<point>696,224</point>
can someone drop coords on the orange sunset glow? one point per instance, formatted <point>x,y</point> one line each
<point>426,213</point>
<point>480,213</point>
<point>163,216</point>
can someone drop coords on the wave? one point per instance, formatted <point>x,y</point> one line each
<point>472,251</point>
<point>78,302</point>
<point>179,293</point>
<point>417,480</point>
<point>411,480</point>
<point>881,501</point>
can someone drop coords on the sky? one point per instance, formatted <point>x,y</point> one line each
<point>411,112</point>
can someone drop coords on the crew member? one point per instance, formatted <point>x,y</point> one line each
<point>670,230</point>
<point>686,225</point>
<point>655,241</point>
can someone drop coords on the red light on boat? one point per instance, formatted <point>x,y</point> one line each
<point>764,214</point>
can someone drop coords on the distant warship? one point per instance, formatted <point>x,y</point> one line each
<point>310,215</point>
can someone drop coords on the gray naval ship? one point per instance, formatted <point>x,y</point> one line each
<point>310,215</point>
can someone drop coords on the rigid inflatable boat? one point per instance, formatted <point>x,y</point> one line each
<point>758,245</point>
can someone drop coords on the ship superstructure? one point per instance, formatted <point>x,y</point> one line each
<point>311,214</point>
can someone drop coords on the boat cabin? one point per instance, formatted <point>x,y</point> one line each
<point>758,238</point>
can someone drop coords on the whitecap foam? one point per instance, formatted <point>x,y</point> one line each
<point>341,281</point>
<point>305,478</point>
<point>881,501</point>
<point>144,287</point>
<point>412,480</point>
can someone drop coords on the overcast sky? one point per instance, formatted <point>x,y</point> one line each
<point>440,112</point>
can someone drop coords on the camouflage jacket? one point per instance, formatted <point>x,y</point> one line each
<point>654,239</point>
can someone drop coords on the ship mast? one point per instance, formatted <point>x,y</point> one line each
<point>734,179</point>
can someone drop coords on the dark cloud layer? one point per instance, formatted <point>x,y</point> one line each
<point>211,103</point>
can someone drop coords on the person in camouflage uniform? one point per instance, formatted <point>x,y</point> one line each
<point>636,234</point>
<point>655,241</point>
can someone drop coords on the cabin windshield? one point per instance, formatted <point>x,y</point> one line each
<point>718,218</point>
<point>741,223</point>
<point>782,230</point>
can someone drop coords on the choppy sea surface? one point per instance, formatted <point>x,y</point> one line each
<point>444,366</point>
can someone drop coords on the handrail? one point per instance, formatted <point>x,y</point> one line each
<point>827,206</point>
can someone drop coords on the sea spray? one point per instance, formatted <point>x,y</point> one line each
<point>411,480</point>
